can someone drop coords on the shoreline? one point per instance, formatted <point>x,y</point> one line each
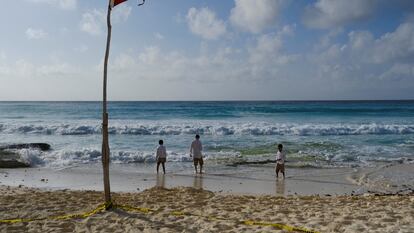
<point>131,178</point>
<point>251,180</point>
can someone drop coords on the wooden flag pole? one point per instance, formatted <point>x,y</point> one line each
<point>105,141</point>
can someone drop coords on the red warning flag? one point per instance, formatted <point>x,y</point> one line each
<point>116,2</point>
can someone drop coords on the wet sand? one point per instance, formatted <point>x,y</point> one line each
<point>254,180</point>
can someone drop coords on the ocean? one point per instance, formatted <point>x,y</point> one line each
<point>314,133</point>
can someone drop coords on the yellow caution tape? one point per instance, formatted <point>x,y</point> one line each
<point>131,208</point>
<point>105,206</point>
<point>98,209</point>
<point>177,213</point>
<point>14,220</point>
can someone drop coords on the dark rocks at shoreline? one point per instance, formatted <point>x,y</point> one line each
<point>41,146</point>
<point>235,164</point>
<point>10,159</point>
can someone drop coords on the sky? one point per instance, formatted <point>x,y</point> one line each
<point>53,50</point>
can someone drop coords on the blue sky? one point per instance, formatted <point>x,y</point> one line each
<point>208,50</point>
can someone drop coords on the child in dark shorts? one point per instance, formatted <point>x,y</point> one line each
<point>161,156</point>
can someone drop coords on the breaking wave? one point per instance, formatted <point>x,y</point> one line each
<point>67,158</point>
<point>215,128</point>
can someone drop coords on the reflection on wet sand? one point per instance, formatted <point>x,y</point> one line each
<point>280,187</point>
<point>160,181</point>
<point>198,182</point>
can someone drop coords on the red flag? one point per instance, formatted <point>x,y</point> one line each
<point>116,2</point>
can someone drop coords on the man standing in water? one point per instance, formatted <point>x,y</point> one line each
<point>195,152</point>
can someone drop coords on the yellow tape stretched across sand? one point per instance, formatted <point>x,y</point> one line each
<point>104,206</point>
<point>98,209</point>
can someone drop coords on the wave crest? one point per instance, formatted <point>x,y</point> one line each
<point>211,129</point>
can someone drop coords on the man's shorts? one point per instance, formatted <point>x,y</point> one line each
<point>280,167</point>
<point>161,160</point>
<point>198,161</point>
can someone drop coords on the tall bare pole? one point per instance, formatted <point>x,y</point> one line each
<point>105,141</point>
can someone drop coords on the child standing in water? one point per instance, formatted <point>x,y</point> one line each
<point>161,156</point>
<point>280,161</point>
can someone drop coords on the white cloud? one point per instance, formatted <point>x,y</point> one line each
<point>393,46</point>
<point>265,60</point>
<point>64,31</point>
<point>121,13</point>
<point>63,4</point>
<point>35,34</point>
<point>203,22</point>
<point>267,57</point>
<point>287,30</point>
<point>159,36</point>
<point>4,68</point>
<point>26,69</point>
<point>94,21</point>
<point>360,39</point>
<point>3,55</point>
<point>336,13</point>
<point>268,46</point>
<point>55,70</point>
<point>397,45</point>
<point>68,4</point>
<point>364,59</point>
<point>158,65</point>
<point>326,40</point>
<point>179,18</point>
<point>82,48</point>
<point>399,72</point>
<point>53,80</point>
<point>255,16</point>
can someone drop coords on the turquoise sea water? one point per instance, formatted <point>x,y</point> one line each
<point>328,133</point>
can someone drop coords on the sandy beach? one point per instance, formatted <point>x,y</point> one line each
<point>319,200</point>
<point>225,95</point>
<point>207,211</point>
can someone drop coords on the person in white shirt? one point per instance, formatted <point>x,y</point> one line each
<point>280,161</point>
<point>161,155</point>
<point>195,152</point>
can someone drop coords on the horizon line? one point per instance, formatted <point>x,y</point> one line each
<point>241,100</point>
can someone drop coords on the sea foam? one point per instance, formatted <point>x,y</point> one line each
<point>209,128</point>
<point>66,157</point>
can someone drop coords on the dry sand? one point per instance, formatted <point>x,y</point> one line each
<point>364,213</point>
